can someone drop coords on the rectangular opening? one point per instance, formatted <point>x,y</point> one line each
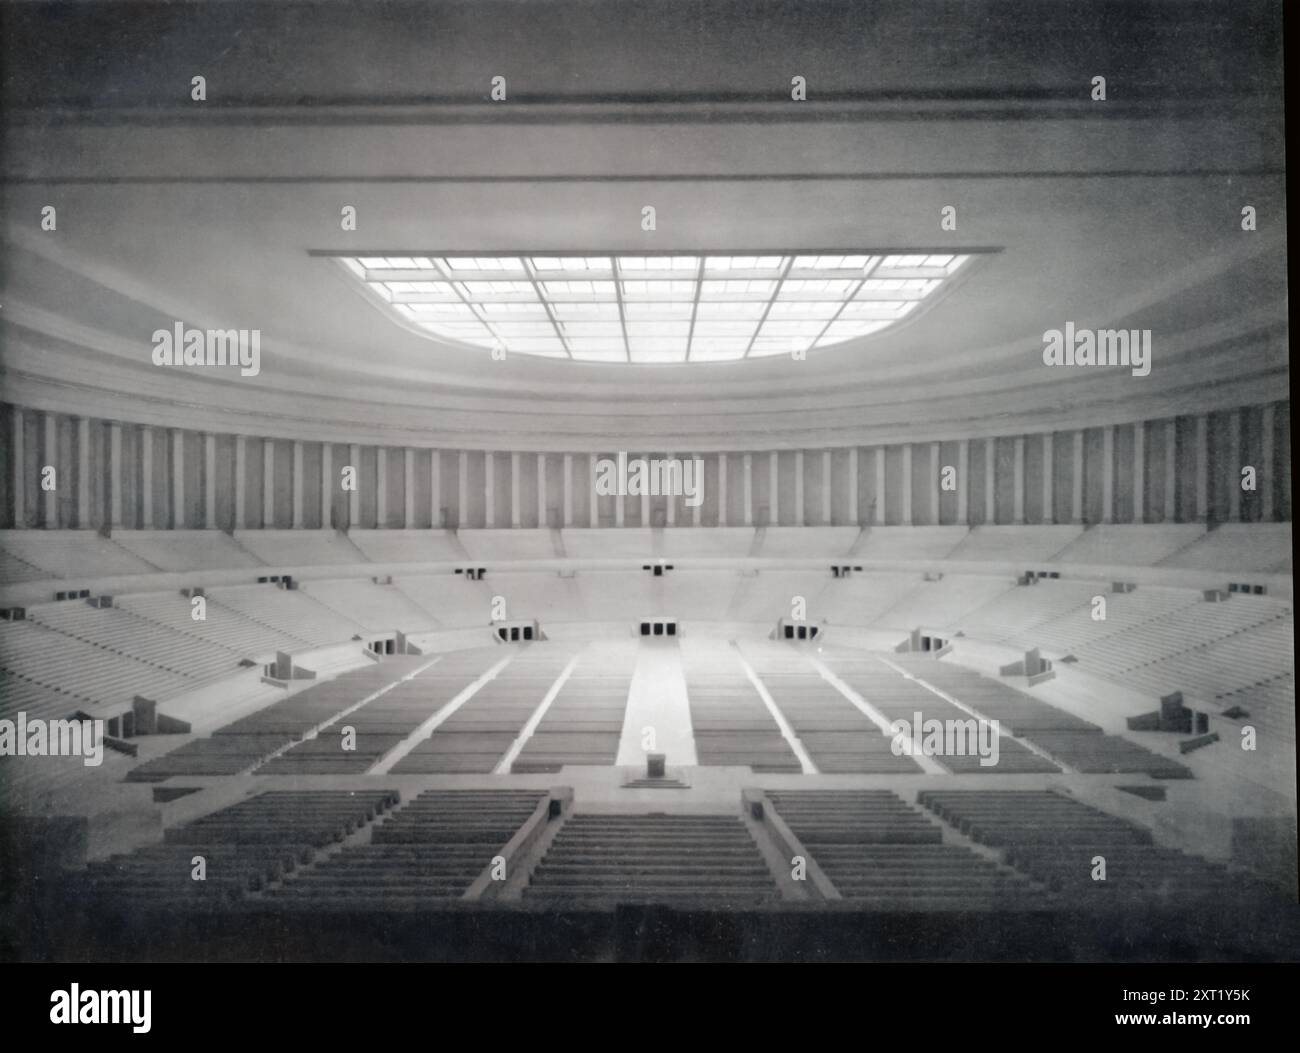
<point>672,628</point>
<point>789,632</point>
<point>645,628</point>
<point>659,628</point>
<point>528,632</point>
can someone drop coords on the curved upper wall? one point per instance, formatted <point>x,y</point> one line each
<point>1118,214</point>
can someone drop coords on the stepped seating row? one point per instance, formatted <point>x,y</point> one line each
<point>241,744</point>
<point>70,554</point>
<point>450,599</point>
<point>1069,739</point>
<point>163,875</point>
<point>1260,547</point>
<point>291,612</point>
<point>732,726</point>
<point>476,736</point>
<point>939,603</point>
<point>377,608</point>
<point>863,599</point>
<point>584,722</point>
<point>1270,706</point>
<point>599,861</point>
<point>430,850</point>
<point>1057,840</point>
<point>1078,628</point>
<point>1174,633</point>
<point>186,550</point>
<point>838,737</point>
<point>308,817</point>
<point>899,699</point>
<point>222,626</point>
<point>299,548</point>
<point>18,694</point>
<point>243,847</point>
<point>91,675</point>
<point>884,855</point>
<point>124,633</point>
<point>355,743</point>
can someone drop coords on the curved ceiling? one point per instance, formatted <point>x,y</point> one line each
<point>924,130</point>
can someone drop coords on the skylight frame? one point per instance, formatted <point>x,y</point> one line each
<point>487,283</point>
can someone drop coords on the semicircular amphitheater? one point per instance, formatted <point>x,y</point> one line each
<point>507,565</point>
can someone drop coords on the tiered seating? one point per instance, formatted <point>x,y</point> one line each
<point>14,570</point>
<point>245,846</point>
<point>223,625</point>
<point>900,699</point>
<point>732,725</point>
<point>600,543</point>
<point>764,597</point>
<point>379,608</point>
<point>89,674</point>
<point>706,861</point>
<point>291,817</point>
<point>883,855</point>
<point>898,543</point>
<point>1070,740</point>
<point>161,876</point>
<point>535,594</point>
<point>937,604</point>
<point>1055,839</point>
<point>729,542</point>
<point>241,744</point>
<point>1270,706</point>
<point>1129,545</point>
<point>407,546</point>
<point>185,550</point>
<point>377,726</point>
<point>450,598</point>
<point>1125,612</point>
<point>121,632</point>
<point>478,734</point>
<point>863,598</point>
<point>1239,547</point>
<point>1022,545</point>
<point>806,542</point>
<point>1013,614</point>
<point>299,548</point>
<point>837,735</point>
<point>1159,655</point>
<point>428,851</point>
<point>618,597</point>
<point>288,611</point>
<point>700,595</point>
<point>507,544</point>
<point>584,722</point>
<point>36,700</point>
<point>72,553</point>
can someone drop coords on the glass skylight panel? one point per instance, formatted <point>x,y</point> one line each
<point>653,307</point>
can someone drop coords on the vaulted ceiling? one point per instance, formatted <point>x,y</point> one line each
<point>221,213</point>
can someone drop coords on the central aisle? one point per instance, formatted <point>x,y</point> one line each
<point>657,701</point>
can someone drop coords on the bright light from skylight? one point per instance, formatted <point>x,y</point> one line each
<point>664,308</point>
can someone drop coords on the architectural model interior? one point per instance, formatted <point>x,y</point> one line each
<point>661,480</point>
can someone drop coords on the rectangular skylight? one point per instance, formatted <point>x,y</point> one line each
<point>653,307</point>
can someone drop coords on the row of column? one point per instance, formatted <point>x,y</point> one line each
<point>749,464</point>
